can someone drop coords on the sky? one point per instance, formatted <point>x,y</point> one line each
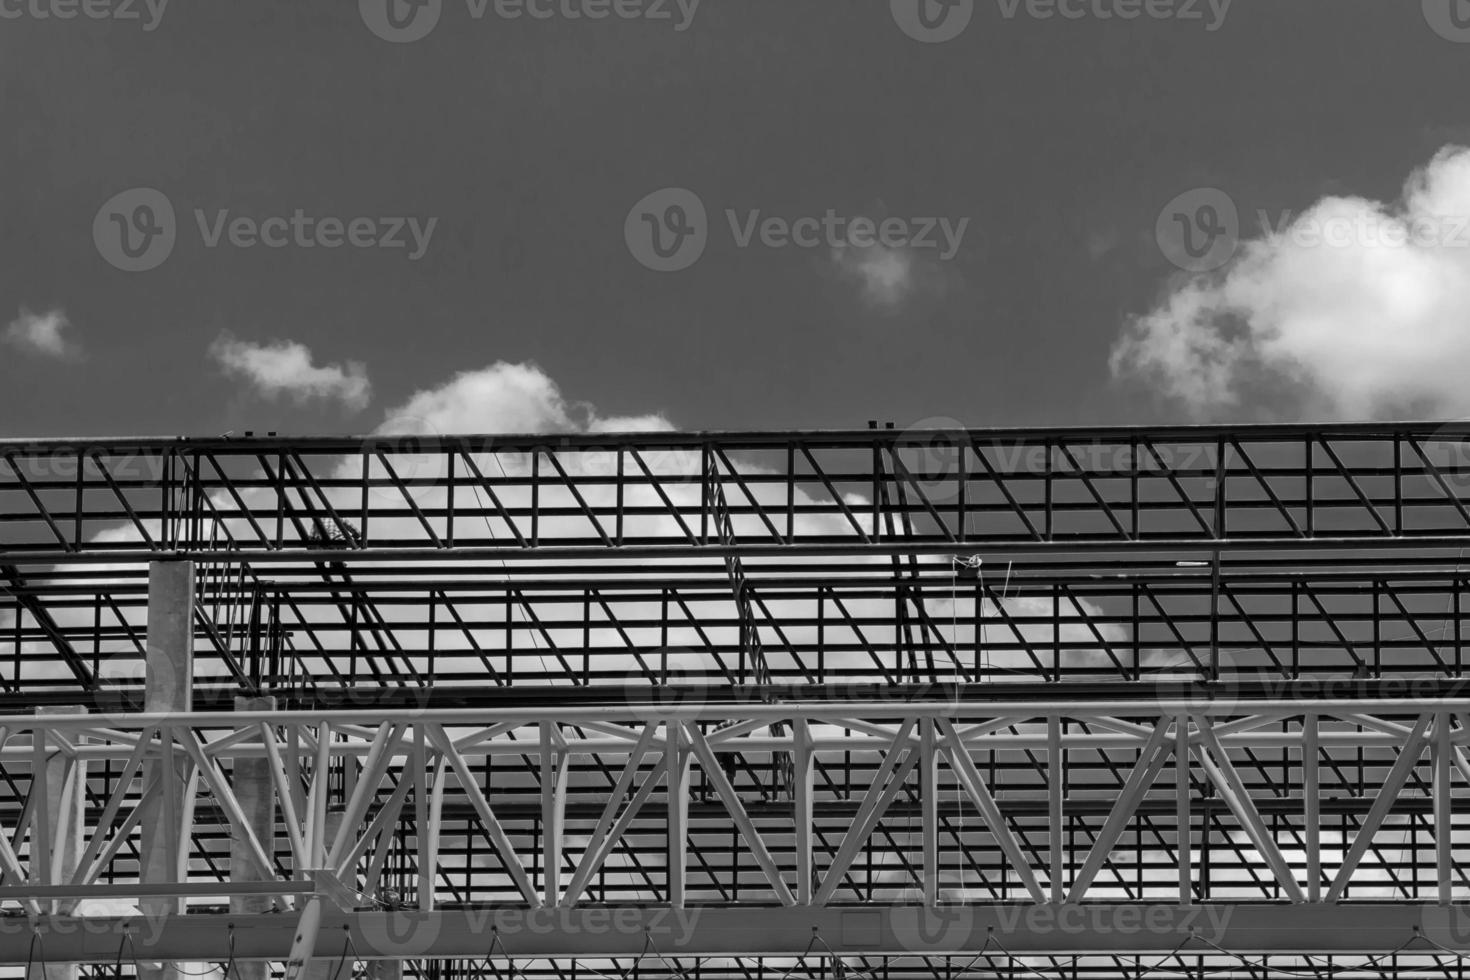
<point>1031,212</point>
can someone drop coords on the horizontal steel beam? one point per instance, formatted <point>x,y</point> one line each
<point>453,696</point>
<point>818,712</point>
<point>870,931</point>
<point>264,560</point>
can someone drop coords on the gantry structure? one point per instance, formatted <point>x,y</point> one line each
<point>1176,702</point>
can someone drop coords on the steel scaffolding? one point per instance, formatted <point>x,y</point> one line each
<point>880,703</point>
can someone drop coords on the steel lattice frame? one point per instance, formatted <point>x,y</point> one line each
<point>483,647</point>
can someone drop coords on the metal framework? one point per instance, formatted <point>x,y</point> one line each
<point>1068,702</point>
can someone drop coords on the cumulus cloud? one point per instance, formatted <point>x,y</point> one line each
<point>286,368</point>
<point>41,334</point>
<point>885,276</point>
<point>511,398</point>
<point>1353,309</point>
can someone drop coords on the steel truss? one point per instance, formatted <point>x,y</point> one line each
<point>1193,671</point>
<point>954,811</point>
<point>665,495</point>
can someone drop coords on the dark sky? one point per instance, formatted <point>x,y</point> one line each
<point>530,140</point>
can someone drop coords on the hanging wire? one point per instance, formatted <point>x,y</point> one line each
<point>668,962</point>
<point>510,961</point>
<point>1142,973</point>
<point>126,939</point>
<point>230,963</point>
<point>799,960</point>
<point>1329,971</point>
<point>31,952</point>
<point>347,944</point>
<point>535,640</point>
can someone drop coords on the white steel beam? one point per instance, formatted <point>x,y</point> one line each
<point>974,786</point>
<point>1150,760</point>
<point>1387,792</point>
<point>1216,763</point>
<point>741,819</point>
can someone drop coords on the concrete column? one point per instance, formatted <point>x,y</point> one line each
<point>168,689</point>
<point>251,779</point>
<point>385,969</point>
<point>58,828</point>
<point>322,967</point>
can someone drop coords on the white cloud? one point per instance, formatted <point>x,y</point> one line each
<point>41,333</point>
<point>885,276</point>
<point>510,398</point>
<point>286,368</point>
<point>1354,309</point>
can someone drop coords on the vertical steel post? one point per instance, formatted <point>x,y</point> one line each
<point>168,690</point>
<point>252,782</point>
<point>56,834</point>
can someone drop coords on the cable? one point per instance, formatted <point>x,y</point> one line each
<point>31,952</point>
<point>1143,972</point>
<point>230,963</point>
<point>126,938</point>
<point>342,959</point>
<point>535,642</point>
<point>1371,963</point>
<point>667,962</point>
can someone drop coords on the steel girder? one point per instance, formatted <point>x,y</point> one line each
<point>668,495</point>
<point>1245,598</point>
<point>1227,788</point>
